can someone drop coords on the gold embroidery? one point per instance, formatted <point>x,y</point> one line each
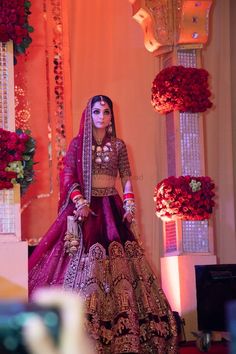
<point>117,160</point>
<point>101,192</point>
<point>127,310</point>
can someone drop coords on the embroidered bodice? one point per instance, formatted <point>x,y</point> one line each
<point>110,157</point>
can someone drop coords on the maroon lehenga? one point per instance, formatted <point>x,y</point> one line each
<point>127,311</point>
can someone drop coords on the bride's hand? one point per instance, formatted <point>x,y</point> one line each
<point>128,216</point>
<point>82,213</point>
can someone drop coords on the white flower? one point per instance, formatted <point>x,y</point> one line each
<point>194,185</point>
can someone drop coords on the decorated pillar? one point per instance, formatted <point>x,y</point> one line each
<point>175,31</point>
<point>14,156</point>
<point>35,111</point>
<point>10,225</point>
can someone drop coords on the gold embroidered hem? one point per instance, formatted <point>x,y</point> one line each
<point>127,311</point>
<point>102,192</point>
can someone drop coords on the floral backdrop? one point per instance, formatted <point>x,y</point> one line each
<point>177,88</point>
<point>16,159</point>
<point>14,24</point>
<point>184,197</point>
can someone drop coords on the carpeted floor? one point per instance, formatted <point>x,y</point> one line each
<point>216,348</point>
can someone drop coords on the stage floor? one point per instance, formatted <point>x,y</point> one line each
<point>216,348</point>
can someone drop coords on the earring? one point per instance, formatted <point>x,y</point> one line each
<point>109,129</point>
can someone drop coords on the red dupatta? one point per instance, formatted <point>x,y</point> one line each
<point>77,171</point>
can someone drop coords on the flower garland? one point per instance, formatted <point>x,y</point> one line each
<point>184,197</point>
<point>16,159</point>
<point>177,88</point>
<point>14,24</point>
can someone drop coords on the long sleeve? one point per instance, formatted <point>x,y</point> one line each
<point>123,160</point>
<point>68,177</point>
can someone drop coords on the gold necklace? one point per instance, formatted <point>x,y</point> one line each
<point>98,140</point>
<point>102,154</point>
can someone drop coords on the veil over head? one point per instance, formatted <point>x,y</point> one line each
<point>77,171</point>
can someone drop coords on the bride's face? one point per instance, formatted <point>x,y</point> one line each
<point>101,115</point>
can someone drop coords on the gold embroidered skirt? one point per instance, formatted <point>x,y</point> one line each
<point>127,311</point>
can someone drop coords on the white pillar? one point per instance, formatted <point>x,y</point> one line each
<point>13,251</point>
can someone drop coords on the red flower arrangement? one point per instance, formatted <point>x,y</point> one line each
<point>16,159</point>
<point>177,88</point>
<point>184,197</point>
<point>14,24</point>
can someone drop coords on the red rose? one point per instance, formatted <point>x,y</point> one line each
<point>14,22</point>
<point>182,201</point>
<point>5,185</point>
<point>180,88</point>
<point>14,3</point>
<point>21,20</point>
<point>12,18</point>
<point>21,147</point>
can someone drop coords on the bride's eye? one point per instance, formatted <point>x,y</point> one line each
<point>96,111</point>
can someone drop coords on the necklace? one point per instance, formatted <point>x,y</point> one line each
<point>101,153</point>
<point>98,140</point>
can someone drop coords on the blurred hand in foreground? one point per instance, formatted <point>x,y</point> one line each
<point>72,336</point>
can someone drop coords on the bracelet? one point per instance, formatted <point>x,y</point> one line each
<point>75,195</point>
<point>129,206</point>
<point>77,198</point>
<point>81,203</point>
<point>128,196</point>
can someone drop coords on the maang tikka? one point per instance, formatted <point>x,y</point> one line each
<point>102,102</point>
